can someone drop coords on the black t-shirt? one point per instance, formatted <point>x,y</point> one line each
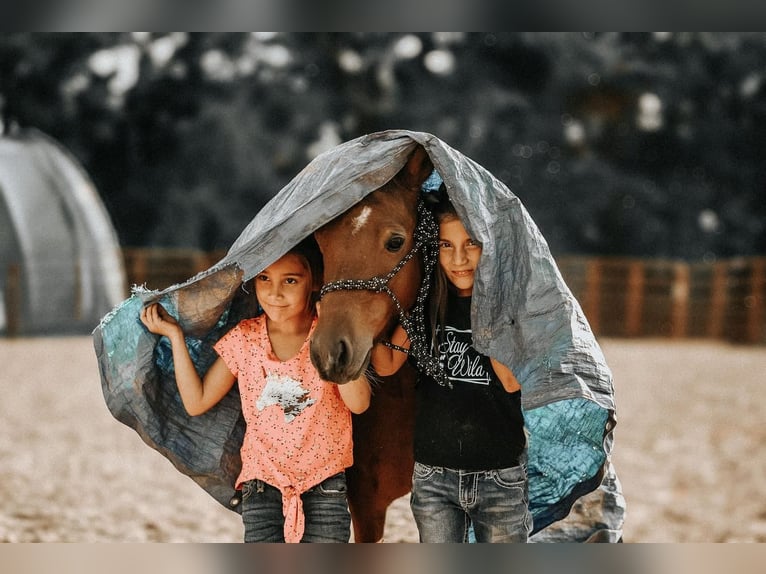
<point>476,425</point>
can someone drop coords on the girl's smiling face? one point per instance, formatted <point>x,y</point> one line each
<point>458,255</point>
<point>284,288</point>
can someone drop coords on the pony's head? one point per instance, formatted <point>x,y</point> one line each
<point>370,272</point>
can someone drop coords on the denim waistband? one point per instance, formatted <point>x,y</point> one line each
<point>521,461</point>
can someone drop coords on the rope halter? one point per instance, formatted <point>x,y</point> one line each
<point>426,242</point>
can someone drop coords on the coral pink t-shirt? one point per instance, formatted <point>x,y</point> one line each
<point>298,428</point>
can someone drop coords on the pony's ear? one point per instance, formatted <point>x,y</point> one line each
<point>416,170</point>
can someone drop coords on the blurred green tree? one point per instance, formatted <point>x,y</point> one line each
<point>634,144</point>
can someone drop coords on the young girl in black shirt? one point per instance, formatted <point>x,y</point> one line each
<point>470,445</point>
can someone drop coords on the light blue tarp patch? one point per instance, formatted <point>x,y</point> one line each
<point>565,450</point>
<point>138,382</point>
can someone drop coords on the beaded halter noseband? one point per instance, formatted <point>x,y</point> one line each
<point>426,234</point>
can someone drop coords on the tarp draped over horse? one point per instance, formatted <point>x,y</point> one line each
<point>523,314</point>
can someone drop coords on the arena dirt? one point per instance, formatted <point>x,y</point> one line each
<point>689,451</point>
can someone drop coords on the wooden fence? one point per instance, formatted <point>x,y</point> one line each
<point>621,297</point>
<point>648,297</point>
<point>161,268</point>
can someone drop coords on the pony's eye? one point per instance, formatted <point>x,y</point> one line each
<point>394,243</point>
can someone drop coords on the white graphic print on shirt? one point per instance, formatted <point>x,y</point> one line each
<point>285,392</point>
<point>459,360</point>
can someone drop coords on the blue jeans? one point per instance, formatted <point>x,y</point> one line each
<point>447,502</point>
<point>324,505</point>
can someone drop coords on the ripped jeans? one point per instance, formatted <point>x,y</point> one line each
<point>446,503</point>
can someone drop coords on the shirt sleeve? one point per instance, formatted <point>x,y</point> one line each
<point>229,348</point>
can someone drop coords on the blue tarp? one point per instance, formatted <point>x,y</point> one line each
<point>523,314</point>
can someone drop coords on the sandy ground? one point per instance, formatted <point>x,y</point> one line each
<point>689,451</point>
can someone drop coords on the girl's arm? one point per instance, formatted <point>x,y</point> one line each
<point>386,360</point>
<point>507,378</point>
<point>198,395</point>
<point>356,394</point>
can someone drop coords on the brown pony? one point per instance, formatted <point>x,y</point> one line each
<point>367,241</point>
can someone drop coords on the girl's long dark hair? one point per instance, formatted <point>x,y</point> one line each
<point>443,210</point>
<point>308,249</point>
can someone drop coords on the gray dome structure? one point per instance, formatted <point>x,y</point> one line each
<point>61,267</point>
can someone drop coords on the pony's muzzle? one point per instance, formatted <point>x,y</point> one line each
<point>335,361</point>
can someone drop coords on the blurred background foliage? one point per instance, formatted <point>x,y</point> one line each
<point>649,144</point>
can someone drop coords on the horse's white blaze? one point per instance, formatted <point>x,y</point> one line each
<point>361,219</point>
